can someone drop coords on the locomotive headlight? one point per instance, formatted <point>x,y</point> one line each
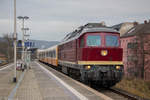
<point>104,52</point>
<point>117,67</point>
<point>87,67</point>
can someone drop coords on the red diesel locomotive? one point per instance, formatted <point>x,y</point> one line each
<point>91,53</point>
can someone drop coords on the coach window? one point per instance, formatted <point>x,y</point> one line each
<point>46,54</point>
<point>54,54</point>
<point>39,55</point>
<point>51,54</point>
<point>42,54</point>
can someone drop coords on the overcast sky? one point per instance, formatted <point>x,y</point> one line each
<point>51,20</point>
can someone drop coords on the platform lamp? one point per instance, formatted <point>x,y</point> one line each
<point>15,43</point>
<point>23,18</point>
<point>26,38</point>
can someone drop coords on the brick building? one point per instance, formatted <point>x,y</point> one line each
<point>136,51</point>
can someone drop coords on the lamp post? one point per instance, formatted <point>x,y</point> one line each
<point>15,43</point>
<point>23,18</point>
<point>26,38</point>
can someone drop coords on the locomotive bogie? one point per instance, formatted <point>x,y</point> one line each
<point>102,74</point>
<point>96,71</point>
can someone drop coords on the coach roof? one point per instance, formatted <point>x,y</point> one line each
<point>48,49</point>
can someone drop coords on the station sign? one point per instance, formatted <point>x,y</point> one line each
<point>26,44</point>
<point>29,44</point>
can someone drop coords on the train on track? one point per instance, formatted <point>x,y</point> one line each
<point>91,53</point>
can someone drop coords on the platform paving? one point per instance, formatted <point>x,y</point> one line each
<point>37,85</point>
<point>42,84</point>
<point>6,83</point>
<point>50,89</point>
<point>28,89</point>
<point>86,91</point>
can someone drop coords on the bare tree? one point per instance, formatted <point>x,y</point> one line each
<point>7,46</point>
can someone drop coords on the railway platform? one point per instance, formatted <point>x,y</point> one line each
<point>44,83</point>
<point>6,84</point>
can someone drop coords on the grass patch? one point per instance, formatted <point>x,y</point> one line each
<point>135,86</point>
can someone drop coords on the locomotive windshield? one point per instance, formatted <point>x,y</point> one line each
<point>94,40</point>
<point>112,41</point>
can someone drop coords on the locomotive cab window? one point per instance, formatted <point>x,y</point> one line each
<point>93,40</point>
<point>112,41</point>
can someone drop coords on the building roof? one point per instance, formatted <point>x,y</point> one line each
<point>124,27</point>
<point>117,27</point>
<point>138,29</point>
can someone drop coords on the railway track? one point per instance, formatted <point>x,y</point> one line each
<point>117,94</point>
<point>113,95</point>
<point>126,94</point>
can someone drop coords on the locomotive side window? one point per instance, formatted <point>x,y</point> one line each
<point>82,42</point>
<point>93,40</point>
<point>112,41</point>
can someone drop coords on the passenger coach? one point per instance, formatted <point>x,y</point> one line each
<point>49,56</point>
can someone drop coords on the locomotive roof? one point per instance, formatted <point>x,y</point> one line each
<point>90,27</point>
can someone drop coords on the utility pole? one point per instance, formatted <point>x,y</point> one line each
<point>15,43</point>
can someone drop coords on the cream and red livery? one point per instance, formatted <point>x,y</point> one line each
<point>91,53</point>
